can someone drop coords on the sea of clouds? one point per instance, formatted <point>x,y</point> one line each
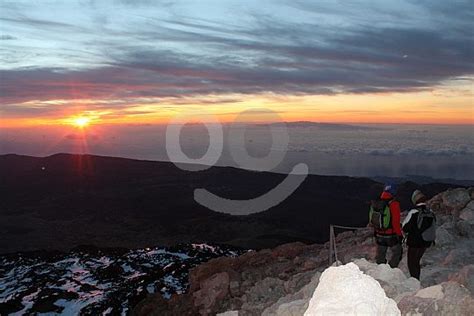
<point>438,151</point>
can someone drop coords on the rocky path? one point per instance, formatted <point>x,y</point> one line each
<point>282,281</point>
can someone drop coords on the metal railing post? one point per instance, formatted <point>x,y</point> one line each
<point>331,234</point>
<point>332,241</point>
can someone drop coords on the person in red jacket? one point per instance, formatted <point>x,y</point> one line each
<point>390,236</point>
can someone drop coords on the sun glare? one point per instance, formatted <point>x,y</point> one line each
<point>81,122</point>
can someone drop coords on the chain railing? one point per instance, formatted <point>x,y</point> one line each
<point>332,241</point>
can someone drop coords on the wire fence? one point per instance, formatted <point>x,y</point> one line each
<point>332,241</point>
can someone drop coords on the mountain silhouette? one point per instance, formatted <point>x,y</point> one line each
<point>65,200</point>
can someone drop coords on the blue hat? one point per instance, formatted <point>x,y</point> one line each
<point>390,188</point>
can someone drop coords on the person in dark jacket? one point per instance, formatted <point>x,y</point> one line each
<point>390,237</point>
<point>415,242</point>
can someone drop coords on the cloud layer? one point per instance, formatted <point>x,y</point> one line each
<point>117,51</point>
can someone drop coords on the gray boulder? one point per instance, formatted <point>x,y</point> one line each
<point>293,308</point>
<point>456,199</point>
<point>465,276</point>
<point>229,313</point>
<point>443,237</point>
<point>464,228</point>
<point>298,281</point>
<point>394,282</point>
<point>263,294</point>
<point>471,192</point>
<point>457,257</point>
<point>212,290</point>
<point>467,213</point>
<point>447,298</point>
<point>294,304</point>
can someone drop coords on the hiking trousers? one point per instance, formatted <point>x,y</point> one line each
<point>396,248</point>
<point>413,260</point>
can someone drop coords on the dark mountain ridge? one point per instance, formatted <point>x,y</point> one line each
<point>65,200</point>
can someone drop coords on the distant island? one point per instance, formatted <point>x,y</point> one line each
<point>328,126</point>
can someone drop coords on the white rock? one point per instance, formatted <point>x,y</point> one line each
<point>435,291</point>
<point>229,313</point>
<point>345,290</point>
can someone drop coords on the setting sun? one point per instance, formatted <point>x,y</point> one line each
<point>81,122</point>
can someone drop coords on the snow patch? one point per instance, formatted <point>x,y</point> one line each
<point>99,282</point>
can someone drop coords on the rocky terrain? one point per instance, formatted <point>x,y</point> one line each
<point>93,281</point>
<point>282,281</point>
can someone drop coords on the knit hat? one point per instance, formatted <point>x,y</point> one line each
<point>417,196</point>
<point>390,188</point>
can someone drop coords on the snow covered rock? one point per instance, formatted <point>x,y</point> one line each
<point>347,290</point>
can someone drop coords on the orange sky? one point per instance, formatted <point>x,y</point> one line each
<point>445,105</point>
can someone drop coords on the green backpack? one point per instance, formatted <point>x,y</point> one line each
<point>379,214</point>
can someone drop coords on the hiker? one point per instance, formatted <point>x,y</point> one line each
<point>384,217</point>
<point>420,228</point>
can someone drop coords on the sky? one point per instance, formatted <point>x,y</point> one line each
<point>143,62</point>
